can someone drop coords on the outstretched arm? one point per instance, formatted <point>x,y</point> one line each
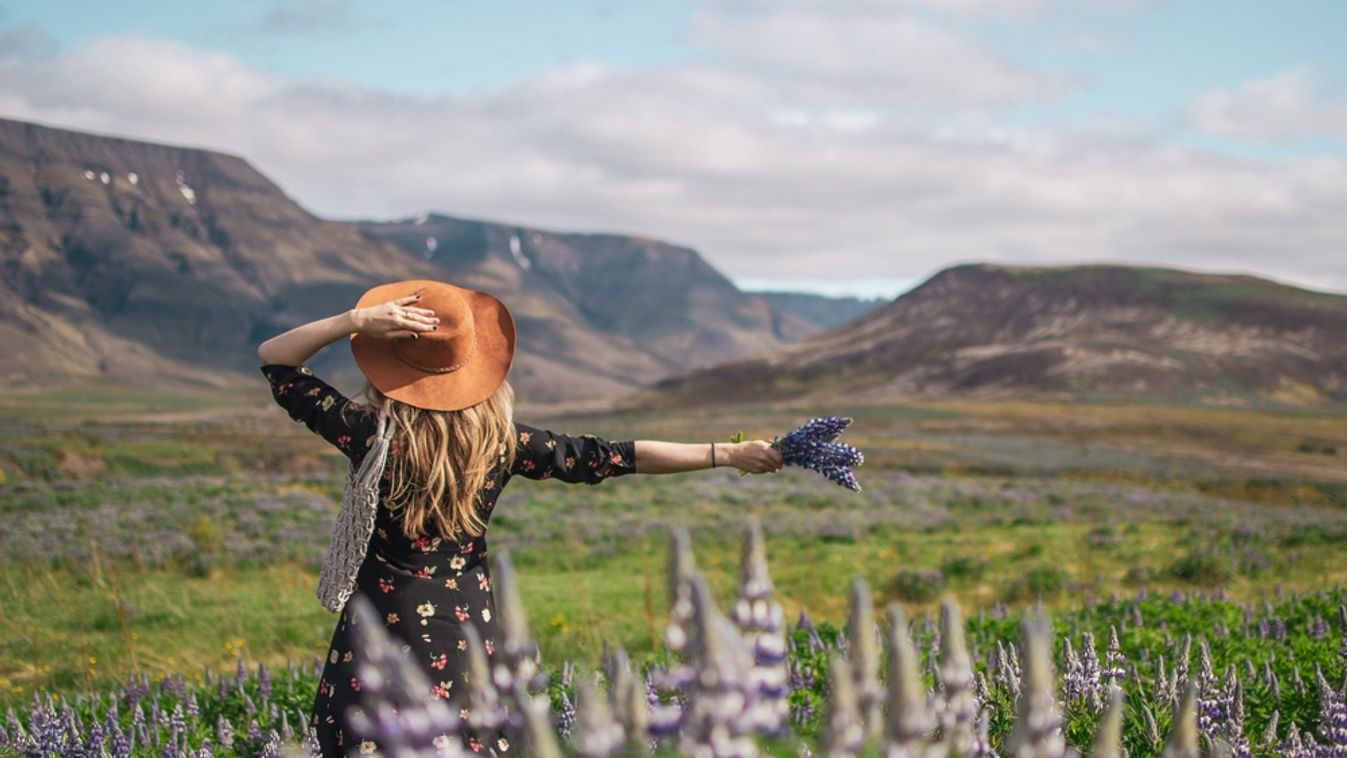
<point>397,318</point>
<point>751,456</point>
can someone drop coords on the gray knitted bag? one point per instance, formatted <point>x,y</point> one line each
<point>355,523</point>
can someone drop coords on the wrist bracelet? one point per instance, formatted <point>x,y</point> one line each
<point>713,455</point>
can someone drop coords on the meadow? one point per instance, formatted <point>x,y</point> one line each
<point>151,536</point>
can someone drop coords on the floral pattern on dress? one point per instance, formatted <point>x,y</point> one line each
<point>424,611</point>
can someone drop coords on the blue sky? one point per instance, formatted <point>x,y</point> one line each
<point>846,146</point>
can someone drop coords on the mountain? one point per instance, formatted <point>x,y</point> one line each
<point>162,266</point>
<point>1066,331</point>
<point>157,265</point>
<point>821,311</point>
<point>669,308</point>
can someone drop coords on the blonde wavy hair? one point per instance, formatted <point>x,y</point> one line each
<point>443,461</point>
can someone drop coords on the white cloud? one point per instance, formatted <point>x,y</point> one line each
<point>1291,104</point>
<point>850,54</point>
<point>768,183</point>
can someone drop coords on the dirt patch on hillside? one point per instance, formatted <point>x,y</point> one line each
<point>76,466</point>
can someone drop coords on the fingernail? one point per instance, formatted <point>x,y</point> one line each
<point>415,336</point>
<point>433,328</point>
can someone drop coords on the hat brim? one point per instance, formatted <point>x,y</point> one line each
<point>474,382</point>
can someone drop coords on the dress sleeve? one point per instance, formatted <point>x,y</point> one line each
<point>540,454</point>
<point>348,425</point>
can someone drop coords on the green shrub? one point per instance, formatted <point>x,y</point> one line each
<point>1036,582</point>
<point>919,586</point>
<point>206,535</point>
<point>1200,566</point>
<point>964,567</point>
<point>1139,575</point>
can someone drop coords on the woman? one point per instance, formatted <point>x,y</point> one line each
<point>436,358</point>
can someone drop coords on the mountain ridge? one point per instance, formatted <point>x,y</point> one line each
<point>148,264</point>
<point>1064,331</point>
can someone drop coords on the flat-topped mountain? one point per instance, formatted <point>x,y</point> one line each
<point>1068,331</point>
<point>672,308</point>
<point>163,266</point>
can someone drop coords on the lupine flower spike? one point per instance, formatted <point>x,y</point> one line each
<point>762,623</point>
<point>628,699</point>
<point>1108,737</point>
<point>813,446</point>
<point>844,730</point>
<point>909,719</point>
<point>397,714</point>
<point>863,655</point>
<point>959,715</point>
<point>1183,740</point>
<point>1038,731</point>
<point>598,734</point>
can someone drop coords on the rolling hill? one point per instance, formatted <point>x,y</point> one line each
<point>1069,331</point>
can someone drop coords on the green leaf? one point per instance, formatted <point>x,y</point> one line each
<point>739,437</point>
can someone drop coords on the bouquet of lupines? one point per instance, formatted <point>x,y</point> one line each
<point>813,445</point>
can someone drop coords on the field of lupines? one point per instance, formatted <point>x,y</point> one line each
<point>171,549</point>
<point>1138,676</point>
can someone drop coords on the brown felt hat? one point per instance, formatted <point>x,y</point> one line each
<point>458,365</point>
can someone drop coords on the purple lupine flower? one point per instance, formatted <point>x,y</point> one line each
<point>1114,661</point>
<point>121,746</point>
<point>93,739</point>
<point>844,727</point>
<point>1183,735</point>
<point>630,703</point>
<point>1073,682</point>
<point>1279,630</point>
<point>1332,719</point>
<point>134,691</point>
<point>1108,737</point>
<point>1038,729</point>
<point>824,428</point>
<point>862,655</point>
<point>1094,674</point>
<point>515,670</point>
<point>719,717</point>
<point>598,733</point>
<point>13,727</point>
<point>959,706</point>
<point>762,622</point>
<point>1292,746</point>
<point>812,446</point>
<point>397,712</point>
<point>565,717</point>
<point>486,712</point>
<point>909,719</point>
<point>263,680</point>
<point>224,732</point>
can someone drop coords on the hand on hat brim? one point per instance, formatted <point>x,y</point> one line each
<point>395,318</point>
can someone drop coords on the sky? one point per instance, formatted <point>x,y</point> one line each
<point>834,146</point>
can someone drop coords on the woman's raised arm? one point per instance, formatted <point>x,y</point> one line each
<point>398,318</point>
<point>751,456</point>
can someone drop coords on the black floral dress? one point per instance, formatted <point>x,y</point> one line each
<point>425,588</point>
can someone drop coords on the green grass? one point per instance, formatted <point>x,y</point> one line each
<point>1005,502</point>
<point>578,593</point>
